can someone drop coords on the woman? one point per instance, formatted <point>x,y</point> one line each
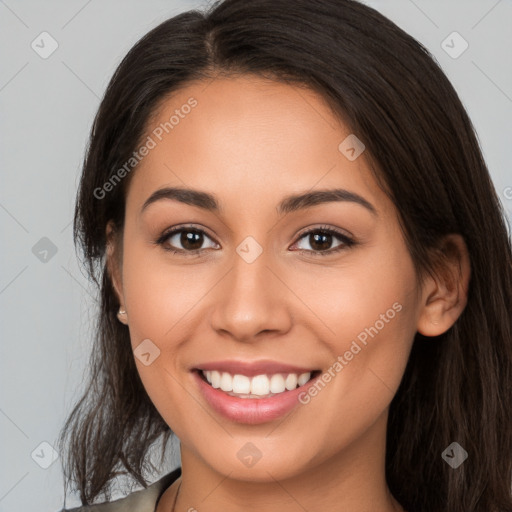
<point>305,273</point>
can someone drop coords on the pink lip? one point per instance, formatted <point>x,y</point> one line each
<point>252,368</point>
<point>251,410</point>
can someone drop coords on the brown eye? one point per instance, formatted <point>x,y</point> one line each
<point>185,240</point>
<point>191,240</point>
<point>321,241</point>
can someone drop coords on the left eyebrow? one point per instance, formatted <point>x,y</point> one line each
<point>289,204</point>
<point>308,199</point>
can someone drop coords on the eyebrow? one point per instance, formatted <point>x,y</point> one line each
<point>289,204</point>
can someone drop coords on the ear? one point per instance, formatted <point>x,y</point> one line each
<point>444,296</point>
<point>113,263</point>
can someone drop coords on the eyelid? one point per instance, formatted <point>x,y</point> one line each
<point>326,228</point>
<point>181,227</point>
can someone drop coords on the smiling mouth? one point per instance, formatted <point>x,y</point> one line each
<point>258,386</point>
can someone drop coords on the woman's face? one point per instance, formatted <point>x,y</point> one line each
<point>255,298</point>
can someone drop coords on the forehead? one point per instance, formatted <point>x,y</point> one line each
<point>249,140</point>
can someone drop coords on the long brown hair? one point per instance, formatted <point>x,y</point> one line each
<point>389,90</point>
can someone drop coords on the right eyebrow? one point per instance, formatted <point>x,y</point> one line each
<point>184,195</point>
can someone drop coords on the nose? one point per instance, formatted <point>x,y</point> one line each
<point>252,299</point>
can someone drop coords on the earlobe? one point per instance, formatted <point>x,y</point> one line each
<point>113,269</point>
<point>445,295</point>
<point>121,316</point>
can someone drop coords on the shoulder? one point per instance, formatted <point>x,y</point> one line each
<point>144,500</point>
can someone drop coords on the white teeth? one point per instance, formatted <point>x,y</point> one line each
<point>277,383</point>
<point>226,382</point>
<point>303,378</point>
<point>291,381</point>
<point>214,378</point>
<point>257,386</point>
<point>241,384</point>
<point>260,385</point>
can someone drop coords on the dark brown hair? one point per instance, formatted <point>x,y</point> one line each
<point>390,91</point>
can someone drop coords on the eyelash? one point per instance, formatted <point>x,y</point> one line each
<point>347,242</point>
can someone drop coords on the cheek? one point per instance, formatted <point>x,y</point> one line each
<point>370,311</point>
<point>160,302</point>
<point>159,295</point>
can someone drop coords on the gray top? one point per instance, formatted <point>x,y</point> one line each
<point>144,500</point>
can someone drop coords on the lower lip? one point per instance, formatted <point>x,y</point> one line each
<point>251,410</point>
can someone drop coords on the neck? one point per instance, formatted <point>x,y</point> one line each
<point>351,480</point>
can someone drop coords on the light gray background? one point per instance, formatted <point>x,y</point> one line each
<point>47,107</point>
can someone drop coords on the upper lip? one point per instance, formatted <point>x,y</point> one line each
<point>252,368</point>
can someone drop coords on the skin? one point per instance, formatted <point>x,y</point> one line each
<point>252,142</point>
